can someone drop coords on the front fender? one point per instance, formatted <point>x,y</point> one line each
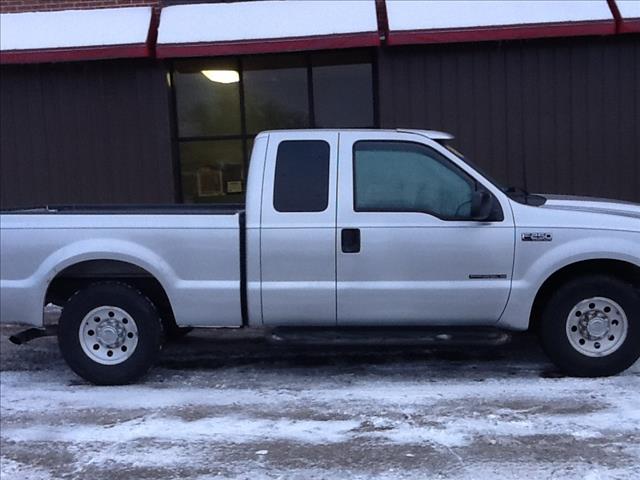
<point>536,262</point>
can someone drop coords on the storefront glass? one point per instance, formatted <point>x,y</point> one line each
<point>221,104</point>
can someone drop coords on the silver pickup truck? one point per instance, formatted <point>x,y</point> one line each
<point>345,233</point>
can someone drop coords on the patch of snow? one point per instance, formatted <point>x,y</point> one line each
<point>447,426</point>
<point>265,20</point>
<point>231,428</point>
<point>406,15</point>
<point>629,8</point>
<point>74,28</point>
<point>12,469</point>
<point>520,470</point>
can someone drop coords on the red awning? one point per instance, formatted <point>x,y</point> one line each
<point>440,21</point>
<point>266,26</point>
<point>74,35</point>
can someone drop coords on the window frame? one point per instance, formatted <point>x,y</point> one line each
<point>446,162</point>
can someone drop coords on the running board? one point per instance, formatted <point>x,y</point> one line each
<point>33,333</point>
<point>390,336</point>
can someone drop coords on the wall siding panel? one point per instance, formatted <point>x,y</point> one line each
<point>553,115</point>
<point>94,132</point>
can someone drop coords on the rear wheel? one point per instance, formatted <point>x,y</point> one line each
<point>109,334</point>
<point>591,326</point>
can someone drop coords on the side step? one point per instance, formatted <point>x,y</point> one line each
<point>390,336</point>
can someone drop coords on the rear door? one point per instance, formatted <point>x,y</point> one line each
<point>408,252</point>
<point>298,229</point>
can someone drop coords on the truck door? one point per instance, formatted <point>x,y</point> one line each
<point>298,229</point>
<point>408,252</point>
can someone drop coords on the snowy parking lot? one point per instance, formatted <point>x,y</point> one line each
<point>229,405</point>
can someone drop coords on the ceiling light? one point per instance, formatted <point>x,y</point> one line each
<point>222,76</point>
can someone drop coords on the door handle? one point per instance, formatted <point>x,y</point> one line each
<point>350,240</point>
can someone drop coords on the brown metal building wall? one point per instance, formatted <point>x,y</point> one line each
<point>91,132</point>
<point>560,115</point>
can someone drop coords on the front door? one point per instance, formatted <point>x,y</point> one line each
<point>407,251</point>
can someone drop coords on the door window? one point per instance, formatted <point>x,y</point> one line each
<point>395,176</point>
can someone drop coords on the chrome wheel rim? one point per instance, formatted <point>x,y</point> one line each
<point>597,327</point>
<point>108,335</point>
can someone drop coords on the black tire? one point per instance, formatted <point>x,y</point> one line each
<point>553,326</point>
<point>141,310</point>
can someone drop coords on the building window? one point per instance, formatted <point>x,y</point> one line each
<point>276,93</point>
<point>221,104</point>
<point>212,171</point>
<point>209,102</point>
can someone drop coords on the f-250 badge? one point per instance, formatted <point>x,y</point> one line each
<point>537,237</point>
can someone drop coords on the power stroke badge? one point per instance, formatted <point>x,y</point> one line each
<point>537,237</point>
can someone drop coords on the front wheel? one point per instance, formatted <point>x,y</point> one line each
<point>109,334</point>
<point>591,326</point>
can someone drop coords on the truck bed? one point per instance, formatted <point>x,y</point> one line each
<point>194,252</point>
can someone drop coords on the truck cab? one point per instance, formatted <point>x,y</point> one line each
<point>374,228</point>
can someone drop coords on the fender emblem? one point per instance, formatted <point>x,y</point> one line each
<point>537,237</point>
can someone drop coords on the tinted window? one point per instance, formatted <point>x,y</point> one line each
<point>276,93</point>
<point>302,176</point>
<point>403,176</point>
<point>207,98</point>
<point>212,171</point>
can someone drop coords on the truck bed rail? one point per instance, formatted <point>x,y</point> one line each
<point>129,209</point>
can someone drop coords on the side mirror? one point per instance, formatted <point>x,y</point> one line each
<point>481,205</point>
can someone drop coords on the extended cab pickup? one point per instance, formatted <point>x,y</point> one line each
<point>368,232</point>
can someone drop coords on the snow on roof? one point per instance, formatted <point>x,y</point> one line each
<point>241,21</point>
<point>406,15</point>
<point>74,28</point>
<point>629,8</point>
<point>629,15</point>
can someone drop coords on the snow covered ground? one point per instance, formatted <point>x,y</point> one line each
<point>224,405</point>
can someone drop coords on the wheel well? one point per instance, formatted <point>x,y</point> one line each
<point>625,271</point>
<point>76,276</point>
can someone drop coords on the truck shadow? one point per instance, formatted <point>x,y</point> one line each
<point>199,351</point>
<point>216,350</point>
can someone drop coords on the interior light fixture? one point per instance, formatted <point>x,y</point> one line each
<point>222,76</point>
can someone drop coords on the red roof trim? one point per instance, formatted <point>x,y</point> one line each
<point>629,26</point>
<point>204,49</point>
<point>74,54</point>
<point>476,34</point>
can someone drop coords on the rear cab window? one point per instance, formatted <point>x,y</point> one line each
<point>301,182</point>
